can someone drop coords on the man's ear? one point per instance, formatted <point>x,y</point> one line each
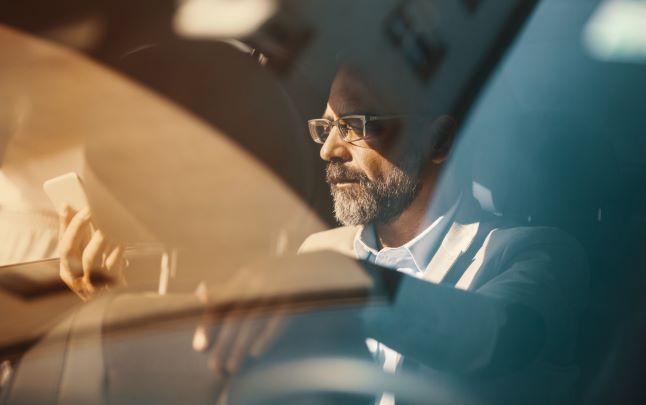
<point>443,131</point>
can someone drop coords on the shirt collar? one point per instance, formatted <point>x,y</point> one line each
<point>421,248</point>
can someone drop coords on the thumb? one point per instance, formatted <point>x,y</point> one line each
<point>201,337</point>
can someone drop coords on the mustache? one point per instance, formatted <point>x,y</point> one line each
<point>339,173</point>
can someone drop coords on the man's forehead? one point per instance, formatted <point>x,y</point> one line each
<point>350,94</point>
<point>341,108</point>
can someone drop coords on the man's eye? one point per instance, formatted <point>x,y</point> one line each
<point>356,127</point>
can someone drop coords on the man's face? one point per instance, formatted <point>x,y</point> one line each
<point>371,180</point>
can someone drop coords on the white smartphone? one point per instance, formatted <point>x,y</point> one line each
<point>66,189</point>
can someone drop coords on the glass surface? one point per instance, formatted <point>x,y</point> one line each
<point>466,227</point>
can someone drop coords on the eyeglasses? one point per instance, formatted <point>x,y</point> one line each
<point>353,128</point>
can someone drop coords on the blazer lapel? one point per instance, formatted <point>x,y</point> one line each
<point>458,239</point>
<point>470,273</point>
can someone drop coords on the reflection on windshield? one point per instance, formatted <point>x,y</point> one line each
<point>375,202</point>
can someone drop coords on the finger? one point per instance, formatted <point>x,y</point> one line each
<point>241,344</point>
<point>251,325</point>
<point>72,236</point>
<point>83,288</point>
<point>204,335</point>
<point>268,333</point>
<point>223,396</point>
<point>68,275</point>
<point>92,258</point>
<point>64,218</point>
<point>70,247</point>
<point>226,335</point>
<point>115,263</point>
<point>201,336</point>
<point>79,285</point>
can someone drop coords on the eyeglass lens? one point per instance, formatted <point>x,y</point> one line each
<point>351,129</point>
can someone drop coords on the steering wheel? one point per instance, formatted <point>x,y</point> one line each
<point>342,376</point>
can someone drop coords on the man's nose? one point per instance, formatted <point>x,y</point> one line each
<point>334,148</point>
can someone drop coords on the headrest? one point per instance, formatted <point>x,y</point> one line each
<point>188,181</point>
<point>539,164</point>
<point>155,171</point>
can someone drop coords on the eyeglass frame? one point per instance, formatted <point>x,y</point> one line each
<point>364,120</point>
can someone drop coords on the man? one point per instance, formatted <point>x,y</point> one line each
<point>380,180</point>
<point>527,284</point>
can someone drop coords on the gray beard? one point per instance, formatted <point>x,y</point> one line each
<point>380,201</point>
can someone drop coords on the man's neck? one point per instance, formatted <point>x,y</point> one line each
<point>406,226</point>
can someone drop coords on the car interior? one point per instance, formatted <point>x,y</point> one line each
<point>188,123</point>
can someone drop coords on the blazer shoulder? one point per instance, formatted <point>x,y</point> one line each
<point>524,237</point>
<point>338,239</point>
<point>555,248</point>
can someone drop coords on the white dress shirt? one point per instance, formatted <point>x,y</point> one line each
<point>411,258</point>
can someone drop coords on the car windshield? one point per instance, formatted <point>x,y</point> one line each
<point>308,201</point>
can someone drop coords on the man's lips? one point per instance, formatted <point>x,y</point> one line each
<point>340,181</point>
<point>341,176</point>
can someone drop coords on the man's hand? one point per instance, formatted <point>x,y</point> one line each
<point>88,261</point>
<point>230,337</point>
